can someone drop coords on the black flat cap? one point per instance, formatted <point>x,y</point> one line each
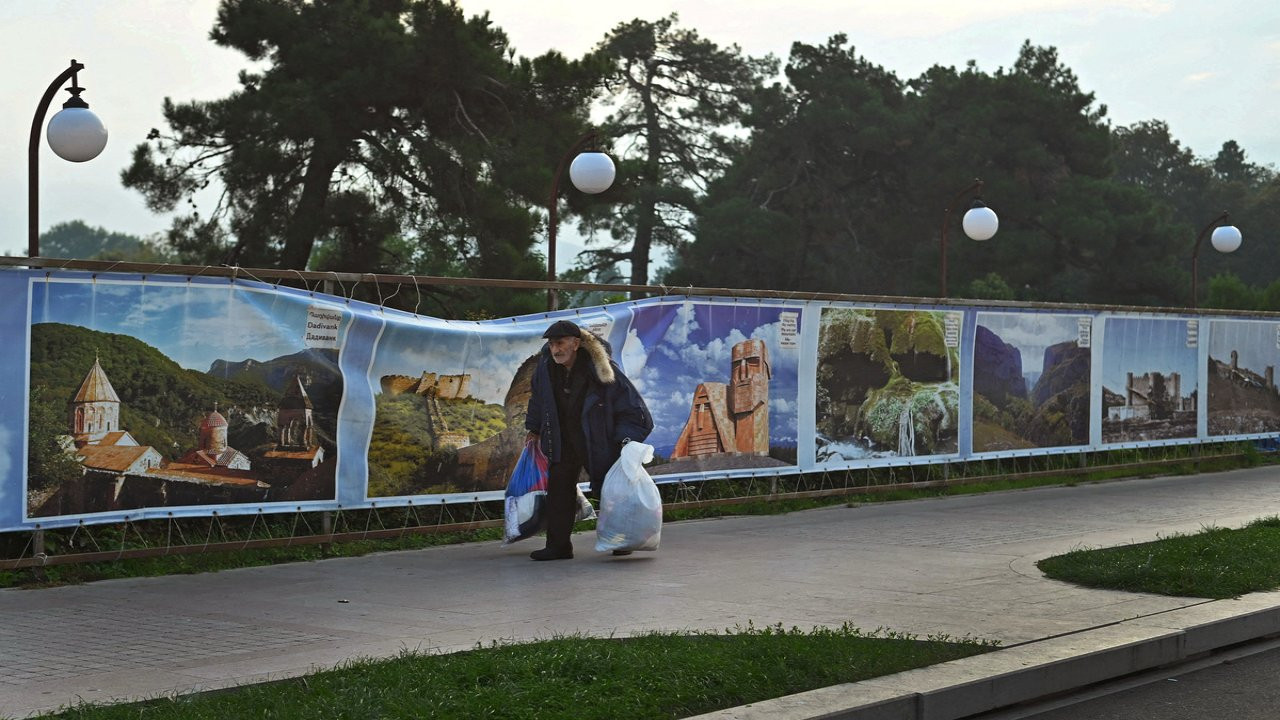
<point>562,328</point>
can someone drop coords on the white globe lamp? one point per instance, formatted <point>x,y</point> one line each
<point>592,172</point>
<point>1226,238</point>
<point>980,223</point>
<point>76,134</point>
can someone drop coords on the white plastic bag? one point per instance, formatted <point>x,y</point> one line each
<point>630,516</point>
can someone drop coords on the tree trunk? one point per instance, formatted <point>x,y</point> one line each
<point>308,216</point>
<point>647,212</point>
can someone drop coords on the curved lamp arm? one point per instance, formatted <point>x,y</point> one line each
<point>1195,251</point>
<point>975,188</point>
<point>588,138</point>
<point>33,159</point>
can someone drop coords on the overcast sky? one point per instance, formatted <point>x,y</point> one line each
<point>1210,68</point>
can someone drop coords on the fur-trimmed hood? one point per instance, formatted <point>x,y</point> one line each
<point>598,350</point>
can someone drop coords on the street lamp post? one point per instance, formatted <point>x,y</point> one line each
<point>979,223</point>
<point>74,133</point>
<point>1226,238</point>
<point>591,172</point>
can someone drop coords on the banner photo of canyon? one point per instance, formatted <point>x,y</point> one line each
<point>1031,381</point>
<point>169,395</point>
<point>721,381</point>
<point>450,401</point>
<point>1149,379</point>
<point>887,384</point>
<point>1243,399</point>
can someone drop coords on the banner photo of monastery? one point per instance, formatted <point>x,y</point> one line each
<point>146,395</point>
<point>887,384</point>
<point>1243,398</point>
<point>720,380</point>
<point>1031,381</point>
<point>1149,379</point>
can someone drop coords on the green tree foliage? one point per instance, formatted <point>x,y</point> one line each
<point>848,169</point>
<point>77,240</point>
<point>805,206</point>
<point>396,134</point>
<point>1231,293</point>
<point>676,99</point>
<point>49,463</point>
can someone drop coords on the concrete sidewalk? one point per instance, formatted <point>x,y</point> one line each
<point>959,566</point>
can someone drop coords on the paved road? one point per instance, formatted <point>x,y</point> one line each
<point>959,566</point>
<point>1247,688</point>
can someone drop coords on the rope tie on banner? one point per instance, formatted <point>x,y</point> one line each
<point>253,277</point>
<point>417,290</point>
<point>340,285</point>
<point>249,535</point>
<point>305,285</point>
<point>383,301</point>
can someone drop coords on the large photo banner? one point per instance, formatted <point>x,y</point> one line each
<point>1149,379</point>
<point>1031,381</point>
<point>1243,398</point>
<point>156,395</point>
<point>887,384</point>
<point>134,397</point>
<point>721,381</point>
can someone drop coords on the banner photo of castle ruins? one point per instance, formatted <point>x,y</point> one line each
<point>1243,398</point>
<point>1149,379</point>
<point>156,396</point>
<point>1031,381</point>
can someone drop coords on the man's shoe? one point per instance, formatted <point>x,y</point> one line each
<point>550,553</point>
<point>620,553</point>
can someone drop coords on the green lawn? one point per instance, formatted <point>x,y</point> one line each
<point>646,677</point>
<point>1213,563</point>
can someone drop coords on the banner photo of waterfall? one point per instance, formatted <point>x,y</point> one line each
<point>1149,379</point>
<point>1243,399</point>
<point>165,395</point>
<point>1031,381</point>
<point>721,381</point>
<point>887,384</point>
<point>450,401</point>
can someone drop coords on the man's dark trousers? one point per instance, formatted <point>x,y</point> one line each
<point>562,498</point>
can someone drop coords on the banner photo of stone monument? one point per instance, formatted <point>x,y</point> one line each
<point>1149,379</point>
<point>1031,381</point>
<point>887,384</point>
<point>450,401</point>
<point>169,395</point>
<point>1243,399</point>
<point>721,382</point>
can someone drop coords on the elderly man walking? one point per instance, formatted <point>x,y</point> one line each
<point>582,410</point>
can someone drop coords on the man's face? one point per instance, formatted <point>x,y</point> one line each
<point>564,350</point>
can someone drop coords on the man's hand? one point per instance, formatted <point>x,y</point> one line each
<point>532,437</point>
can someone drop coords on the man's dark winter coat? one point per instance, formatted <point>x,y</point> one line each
<point>612,411</point>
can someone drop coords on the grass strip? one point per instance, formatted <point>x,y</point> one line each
<point>654,675</point>
<point>1213,563</point>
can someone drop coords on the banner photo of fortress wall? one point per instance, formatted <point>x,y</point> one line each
<point>134,397</point>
